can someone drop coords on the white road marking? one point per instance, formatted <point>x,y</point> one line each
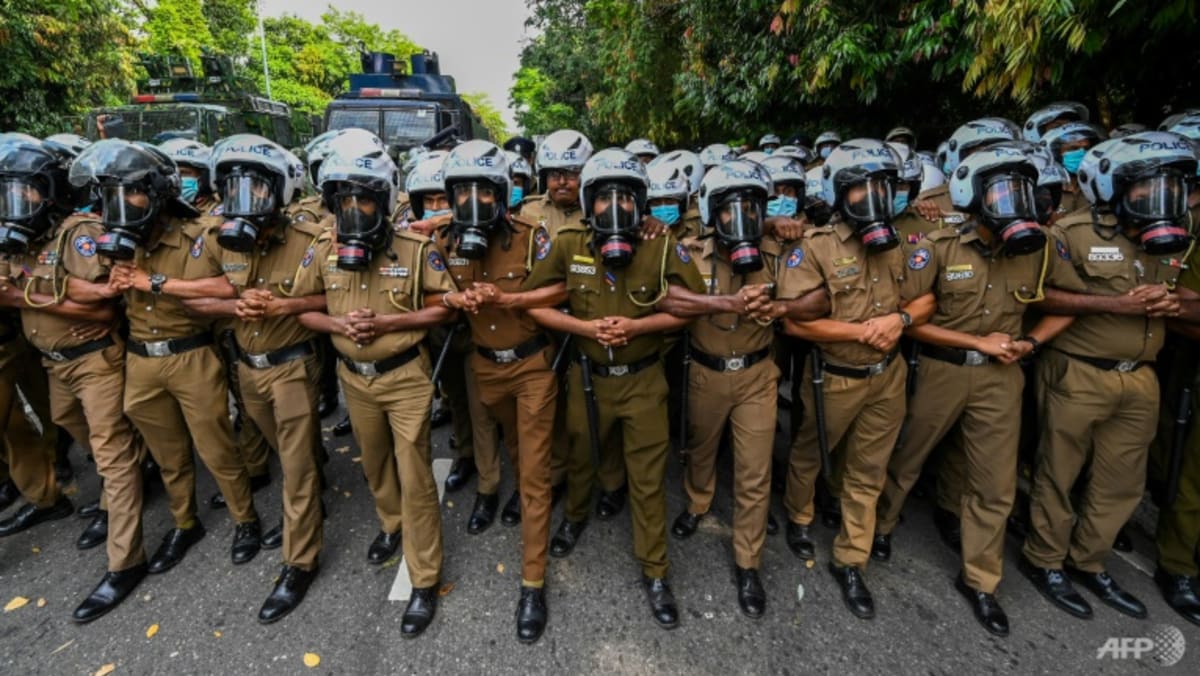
<point>402,585</point>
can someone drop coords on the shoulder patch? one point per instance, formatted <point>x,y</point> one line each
<point>795,258</point>
<point>309,254</point>
<point>85,245</point>
<point>682,252</point>
<point>1061,247</point>
<point>919,259</point>
<point>542,243</point>
<point>436,262</point>
<point>197,246</point>
<point>217,210</point>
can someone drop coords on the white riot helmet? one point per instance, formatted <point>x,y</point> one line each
<point>1127,129</point>
<point>756,156</point>
<point>816,207</point>
<point>784,171</point>
<point>1188,125</point>
<point>973,136</point>
<point>931,172</point>
<point>668,181</point>
<point>688,162</point>
<point>871,169</point>
<point>1039,122</point>
<point>1058,139</point>
<point>1146,178</point>
<point>902,135</point>
<point>256,179</point>
<point>74,142</point>
<point>642,147</point>
<point>425,178</point>
<point>315,152</point>
<point>189,153</point>
<point>771,140</point>
<point>912,172</point>
<point>799,153</point>
<point>564,150</point>
<point>1089,170</point>
<point>716,153</point>
<point>998,184</point>
<point>733,200</point>
<point>617,180</point>
<point>359,184</point>
<point>479,186</point>
<point>826,142</point>
<point>517,166</point>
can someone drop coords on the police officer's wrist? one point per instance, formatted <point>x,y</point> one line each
<point>447,302</point>
<point>1034,342</point>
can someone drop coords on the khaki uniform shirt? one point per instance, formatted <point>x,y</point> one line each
<point>187,249</point>
<point>728,334</point>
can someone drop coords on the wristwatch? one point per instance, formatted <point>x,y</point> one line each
<point>905,319</point>
<point>156,282</point>
<point>1037,344</point>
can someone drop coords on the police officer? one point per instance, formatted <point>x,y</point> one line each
<point>560,158</point>
<point>981,275</point>
<point>716,153</point>
<point>674,181</point>
<point>521,175</point>
<point>1097,396</point>
<point>489,253</point>
<point>769,143</point>
<point>825,144</point>
<point>1068,144</point>
<point>733,378</point>
<point>612,281</point>
<point>904,136</point>
<point>1052,116</point>
<point>644,148</point>
<point>857,260</point>
<point>278,372</point>
<point>383,290</point>
<point>162,253</point>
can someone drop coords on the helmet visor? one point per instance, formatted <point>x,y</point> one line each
<point>615,210</point>
<point>739,218</point>
<point>1007,197</point>
<point>1161,197</point>
<point>125,205</point>
<point>357,214</point>
<point>870,200</point>
<point>248,195</point>
<point>20,199</point>
<point>475,204</point>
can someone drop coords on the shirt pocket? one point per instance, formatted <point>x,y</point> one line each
<point>510,277</point>
<point>1112,276</point>
<point>584,292</point>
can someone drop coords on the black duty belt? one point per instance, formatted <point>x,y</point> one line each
<point>955,355</point>
<point>1118,365</point>
<point>527,349</point>
<point>72,353</point>
<point>266,360</point>
<point>860,372</point>
<point>716,363</point>
<point>618,370</point>
<point>371,369</point>
<point>171,346</point>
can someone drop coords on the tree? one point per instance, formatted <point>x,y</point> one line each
<point>488,114</point>
<point>232,24</point>
<point>177,26</point>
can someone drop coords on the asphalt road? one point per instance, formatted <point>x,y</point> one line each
<point>204,610</point>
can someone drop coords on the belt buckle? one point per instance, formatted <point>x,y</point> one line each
<point>258,361</point>
<point>735,363</point>
<point>1126,366</point>
<point>876,369</point>
<point>975,358</point>
<point>366,368</point>
<point>55,356</point>
<point>618,370</point>
<point>504,356</point>
<point>160,348</point>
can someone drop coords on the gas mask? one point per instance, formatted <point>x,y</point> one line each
<point>128,213</point>
<point>476,208</point>
<point>1047,198</point>
<point>1009,210</point>
<point>868,206</point>
<point>818,212</point>
<point>23,214</point>
<point>738,224</point>
<point>249,202</point>
<point>615,221</point>
<point>361,229</point>
<point>1157,205</point>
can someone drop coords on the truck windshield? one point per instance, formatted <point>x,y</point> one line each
<point>407,127</point>
<point>155,126</point>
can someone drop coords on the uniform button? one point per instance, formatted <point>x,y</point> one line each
<point>1024,288</point>
<point>492,327</point>
<point>154,331</point>
<point>33,332</point>
<point>485,274</point>
<point>875,280</point>
<point>987,311</point>
<point>364,287</point>
<point>149,308</point>
<point>510,275</point>
<point>256,334</point>
<point>878,304</point>
<point>333,286</point>
<point>287,282</point>
<point>260,280</point>
<point>643,288</point>
<point>990,286</point>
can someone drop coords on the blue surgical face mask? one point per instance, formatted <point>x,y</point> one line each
<point>190,189</point>
<point>434,213</point>
<point>1072,158</point>
<point>824,151</point>
<point>667,213</point>
<point>769,151</point>
<point>518,194</point>
<point>899,203</point>
<point>781,205</point>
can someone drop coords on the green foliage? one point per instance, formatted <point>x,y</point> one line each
<point>488,114</point>
<point>177,26</point>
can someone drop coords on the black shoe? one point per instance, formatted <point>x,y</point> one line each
<point>247,540</point>
<point>772,524</point>
<point>460,473</point>
<point>88,510</point>
<point>1110,593</point>
<point>326,405</point>
<point>1181,592</point>
<point>949,526</point>
<point>751,596</point>
<point>854,590</point>
<point>8,494</point>
<point>273,539</point>
<point>383,547</point>
<point>419,613</point>
<point>1054,585</point>
<point>1123,543</point>
<point>113,589</point>
<point>557,492</point>
<point>289,591</point>
<point>662,602</point>
<point>685,525</point>
<point>832,519</point>
<point>483,514</point>
<point>342,428</point>
<point>441,415</point>
<point>257,483</point>
<point>800,542</point>
<point>95,534</point>
<point>173,548</point>
<point>31,515</point>
<point>986,608</point>
<point>611,504</point>
<point>511,514</point>
<point>531,614</point>
<point>566,537</point>
<point>881,547</point>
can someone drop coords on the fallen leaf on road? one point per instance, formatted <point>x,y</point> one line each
<point>357,458</point>
<point>450,504</point>
<point>809,563</point>
<point>446,589</point>
<point>151,631</point>
<point>36,550</point>
<point>17,602</point>
<point>41,603</point>
<point>343,449</point>
<point>217,634</point>
<point>311,660</point>
<point>62,647</point>
<point>346,493</point>
<point>70,490</point>
<point>499,567</point>
<point>105,670</point>
<point>395,560</point>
